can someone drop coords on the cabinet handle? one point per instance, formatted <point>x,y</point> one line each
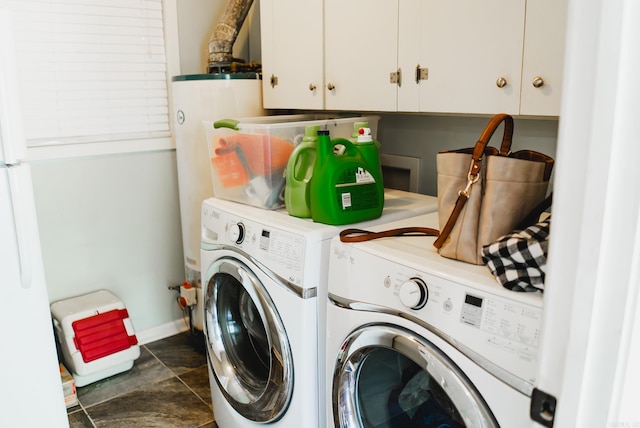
<point>501,82</point>
<point>312,87</point>
<point>274,80</point>
<point>331,86</point>
<point>537,82</point>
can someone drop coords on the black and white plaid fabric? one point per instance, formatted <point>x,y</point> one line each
<point>518,260</point>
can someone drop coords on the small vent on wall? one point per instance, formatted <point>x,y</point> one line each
<point>400,172</point>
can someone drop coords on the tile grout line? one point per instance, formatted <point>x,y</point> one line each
<point>173,374</point>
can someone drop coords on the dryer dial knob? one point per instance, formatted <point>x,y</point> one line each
<point>236,233</point>
<point>414,293</point>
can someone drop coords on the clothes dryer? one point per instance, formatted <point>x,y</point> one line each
<point>264,282</point>
<point>417,340</point>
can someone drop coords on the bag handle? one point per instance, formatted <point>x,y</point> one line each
<point>360,235</point>
<point>474,169</point>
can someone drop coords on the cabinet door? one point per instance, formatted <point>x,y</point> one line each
<point>542,64</point>
<point>360,53</point>
<point>409,36</point>
<point>467,46</point>
<point>292,56</point>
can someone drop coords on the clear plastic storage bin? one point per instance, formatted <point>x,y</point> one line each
<point>248,156</point>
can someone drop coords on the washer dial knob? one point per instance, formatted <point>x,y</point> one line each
<point>413,293</point>
<point>236,233</point>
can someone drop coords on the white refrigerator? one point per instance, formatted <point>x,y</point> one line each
<point>28,362</point>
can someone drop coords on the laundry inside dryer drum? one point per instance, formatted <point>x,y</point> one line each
<point>389,377</point>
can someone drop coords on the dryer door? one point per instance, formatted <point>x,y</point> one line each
<point>247,347</point>
<point>387,376</point>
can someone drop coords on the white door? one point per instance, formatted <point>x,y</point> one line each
<point>30,364</point>
<point>592,295</point>
<point>387,376</point>
<point>360,54</point>
<point>30,372</point>
<point>292,54</point>
<point>468,46</point>
<point>247,345</point>
<point>542,61</point>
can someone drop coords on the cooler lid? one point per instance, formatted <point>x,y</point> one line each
<point>103,334</point>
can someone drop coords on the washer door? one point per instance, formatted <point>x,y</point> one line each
<point>387,376</point>
<point>247,347</point>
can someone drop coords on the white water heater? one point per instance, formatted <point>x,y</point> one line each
<point>196,98</point>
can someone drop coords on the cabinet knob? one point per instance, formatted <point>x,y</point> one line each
<point>331,86</point>
<point>274,80</point>
<point>312,87</point>
<point>537,82</point>
<point>501,82</point>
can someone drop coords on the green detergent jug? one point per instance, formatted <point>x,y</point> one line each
<point>298,174</point>
<point>346,188</point>
<point>369,147</point>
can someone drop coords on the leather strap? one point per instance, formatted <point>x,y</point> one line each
<point>448,227</point>
<point>474,169</point>
<point>360,235</point>
<point>487,133</point>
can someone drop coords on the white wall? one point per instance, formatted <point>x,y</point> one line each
<point>113,222</point>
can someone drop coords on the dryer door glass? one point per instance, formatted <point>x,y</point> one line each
<point>247,346</point>
<point>387,376</point>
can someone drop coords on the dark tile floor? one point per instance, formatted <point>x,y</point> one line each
<point>168,386</point>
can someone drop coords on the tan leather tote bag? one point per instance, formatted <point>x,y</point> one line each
<point>484,192</point>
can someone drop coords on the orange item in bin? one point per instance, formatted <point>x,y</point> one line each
<point>230,169</point>
<point>265,154</point>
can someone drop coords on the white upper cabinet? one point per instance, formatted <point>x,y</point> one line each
<point>361,45</point>
<point>455,56</point>
<point>292,38</point>
<point>470,55</point>
<point>543,59</point>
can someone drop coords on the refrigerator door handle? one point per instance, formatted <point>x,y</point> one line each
<point>20,215</point>
<point>13,147</point>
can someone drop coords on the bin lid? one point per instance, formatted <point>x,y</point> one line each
<point>103,334</point>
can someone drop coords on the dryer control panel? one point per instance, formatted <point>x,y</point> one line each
<point>461,303</point>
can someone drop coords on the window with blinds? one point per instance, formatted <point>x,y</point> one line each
<point>91,70</point>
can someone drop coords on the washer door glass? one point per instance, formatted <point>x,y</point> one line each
<point>386,376</point>
<point>247,345</point>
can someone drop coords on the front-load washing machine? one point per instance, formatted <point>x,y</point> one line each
<point>417,340</point>
<point>264,276</point>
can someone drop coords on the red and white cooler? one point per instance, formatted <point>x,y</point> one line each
<point>96,336</point>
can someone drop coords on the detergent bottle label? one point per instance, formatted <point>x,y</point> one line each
<point>356,190</point>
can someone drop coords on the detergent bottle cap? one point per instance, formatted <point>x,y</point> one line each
<point>356,129</point>
<point>364,135</point>
<point>311,133</point>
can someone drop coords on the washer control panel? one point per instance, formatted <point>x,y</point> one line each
<point>281,251</point>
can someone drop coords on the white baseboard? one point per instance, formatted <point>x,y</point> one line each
<point>162,331</point>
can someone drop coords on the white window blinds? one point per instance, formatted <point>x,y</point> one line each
<point>91,70</point>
